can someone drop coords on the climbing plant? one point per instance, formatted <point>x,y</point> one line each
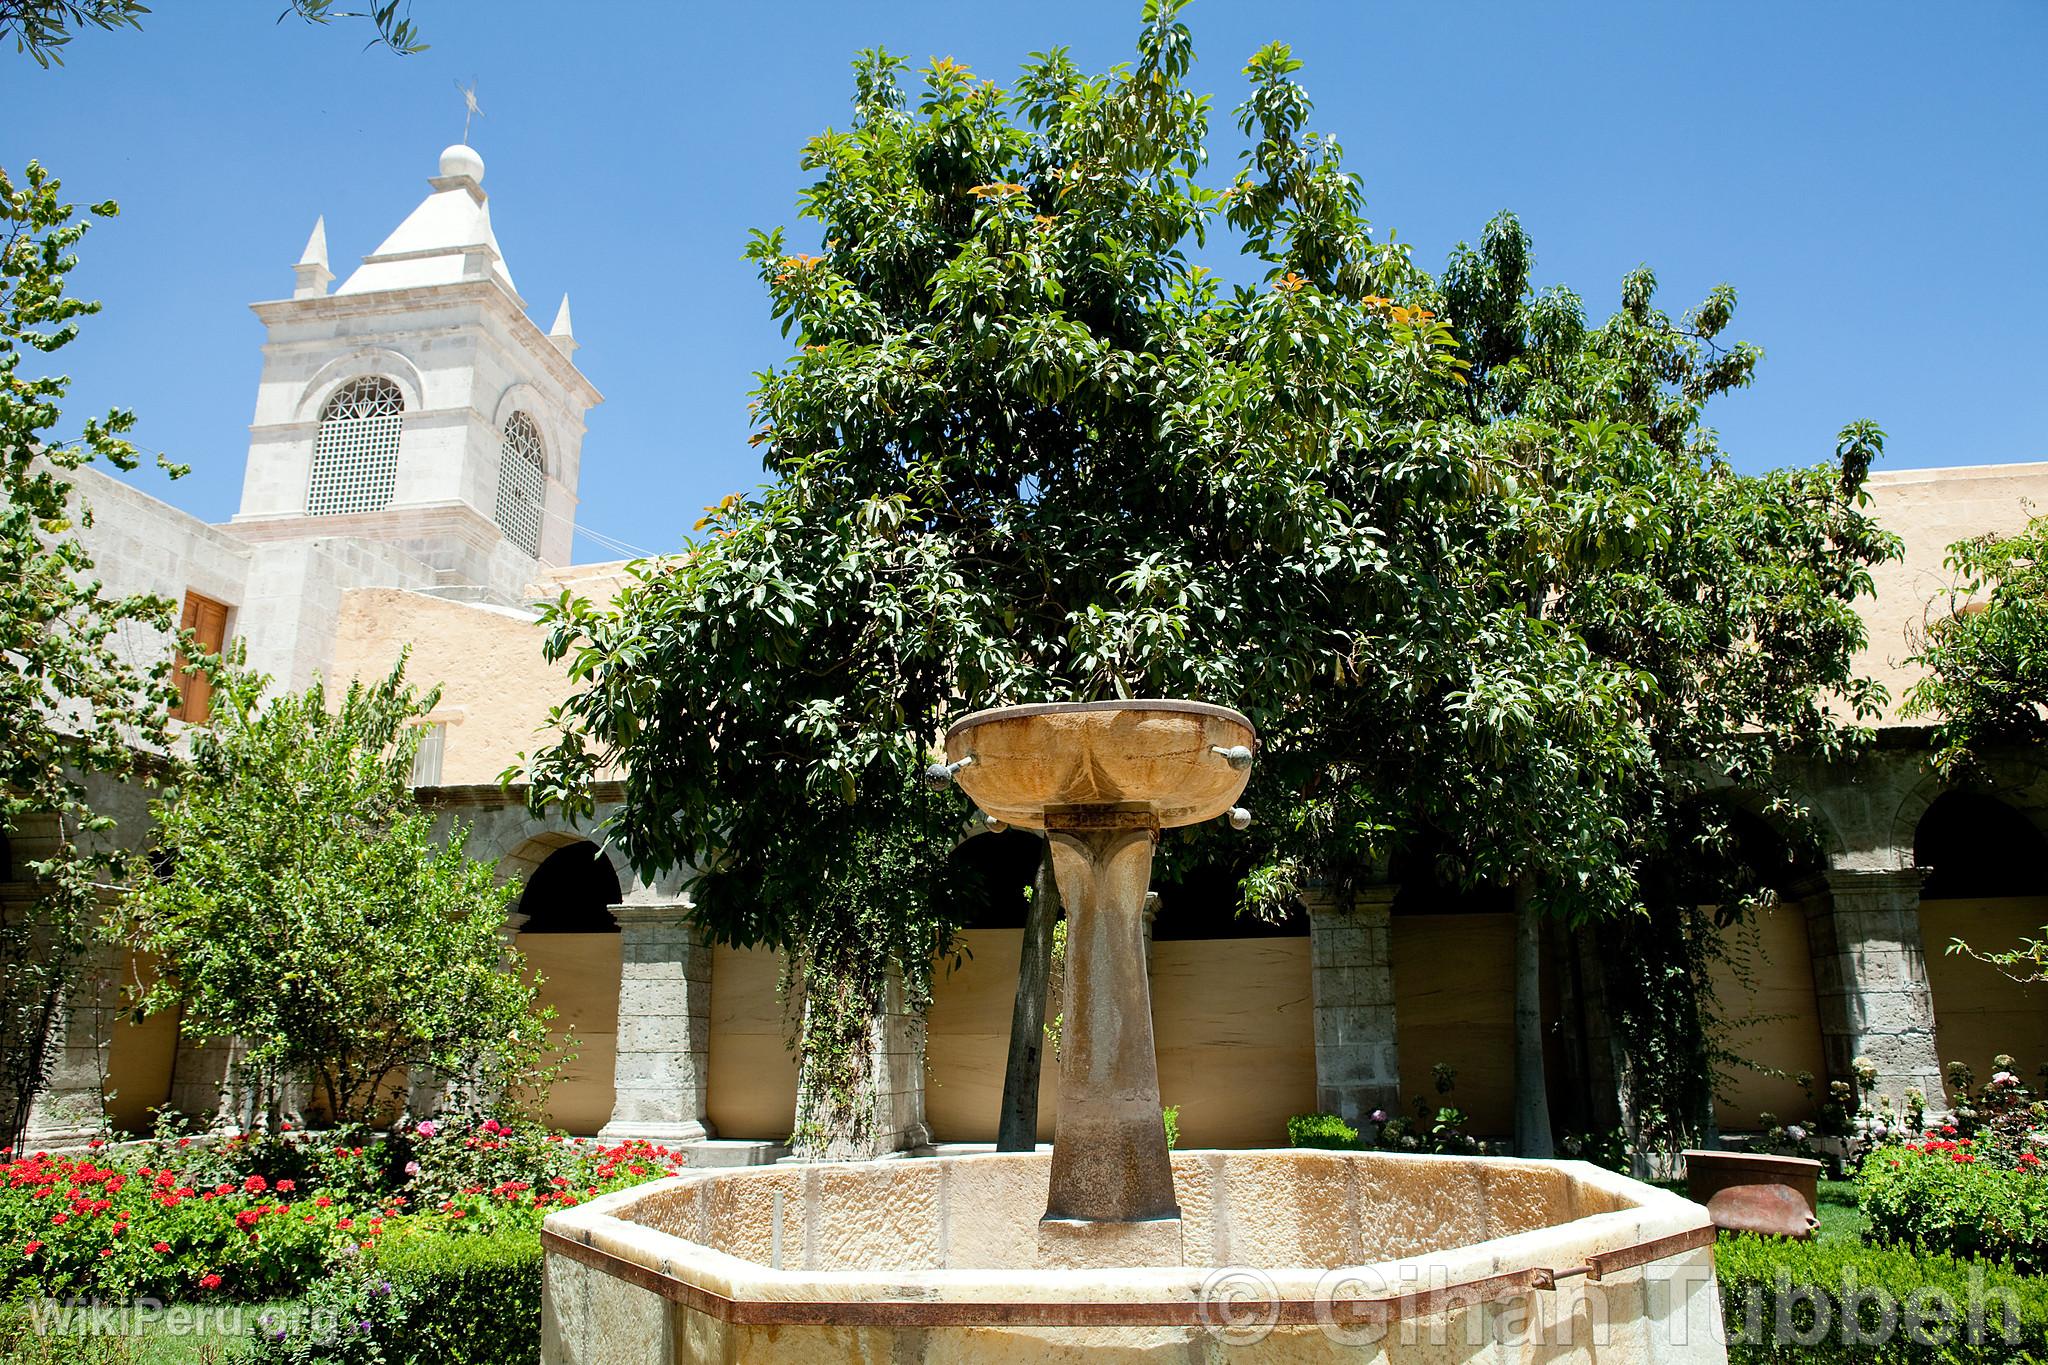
<point>85,674</point>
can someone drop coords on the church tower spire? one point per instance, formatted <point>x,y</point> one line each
<point>562,333</point>
<point>419,406</point>
<point>311,274</point>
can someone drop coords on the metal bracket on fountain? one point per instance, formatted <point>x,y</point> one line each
<point>1102,779</point>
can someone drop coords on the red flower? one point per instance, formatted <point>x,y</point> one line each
<point>346,1223</point>
<point>255,1184</point>
<point>322,1202</point>
<point>209,1281</point>
<point>106,1251</point>
<point>286,1186</point>
<point>160,1247</point>
<point>32,1248</point>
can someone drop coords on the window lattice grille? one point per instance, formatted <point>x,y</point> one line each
<point>355,454</point>
<point>521,483</point>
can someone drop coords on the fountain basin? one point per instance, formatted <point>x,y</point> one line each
<point>1154,756</point>
<point>931,1260</point>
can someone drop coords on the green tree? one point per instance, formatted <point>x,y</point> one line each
<point>1727,602</point>
<point>1028,448</point>
<point>1986,655</point>
<point>1025,449</point>
<point>307,906</point>
<point>43,28</point>
<point>78,711</point>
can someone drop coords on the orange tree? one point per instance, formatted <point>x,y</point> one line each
<point>1043,435</point>
<point>1028,447</point>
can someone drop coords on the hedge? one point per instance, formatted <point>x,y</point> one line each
<point>1822,1302</point>
<point>424,1296</point>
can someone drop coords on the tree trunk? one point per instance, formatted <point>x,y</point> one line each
<point>1018,1129</point>
<point>1532,1099</point>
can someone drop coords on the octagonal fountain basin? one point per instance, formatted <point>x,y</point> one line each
<point>1289,1255</point>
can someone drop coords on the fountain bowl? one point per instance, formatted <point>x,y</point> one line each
<point>1291,1255</point>
<point>1155,755</point>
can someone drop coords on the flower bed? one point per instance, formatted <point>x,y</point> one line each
<point>245,1219</point>
<point>1959,1196</point>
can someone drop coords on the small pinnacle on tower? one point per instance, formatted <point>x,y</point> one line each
<point>311,273</point>
<point>561,333</point>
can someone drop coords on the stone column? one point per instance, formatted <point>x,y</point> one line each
<point>898,1039</point>
<point>70,1109</point>
<point>1351,977</point>
<point>1870,981</point>
<point>663,1064</point>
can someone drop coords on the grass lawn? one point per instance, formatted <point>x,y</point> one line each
<point>220,1338</point>
<point>1841,1219</point>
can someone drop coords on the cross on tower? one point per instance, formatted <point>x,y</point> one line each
<point>470,108</point>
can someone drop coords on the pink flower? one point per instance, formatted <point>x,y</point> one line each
<point>426,1128</point>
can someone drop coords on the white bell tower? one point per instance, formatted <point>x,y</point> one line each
<point>418,406</point>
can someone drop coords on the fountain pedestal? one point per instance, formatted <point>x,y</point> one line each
<point>1102,779</point>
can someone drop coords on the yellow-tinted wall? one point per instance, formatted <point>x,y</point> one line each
<point>1979,1012</point>
<point>140,1055</point>
<point>1767,982</point>
<point>1230,1018</point>
<point>1454,1001</point>
<point>968,1042</point>
<point>581,974</point>
<point>753,1072</point>
<point>1235,1032</point>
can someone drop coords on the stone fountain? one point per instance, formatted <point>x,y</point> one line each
<point>1102,779</point>
<point>1113,1248</point>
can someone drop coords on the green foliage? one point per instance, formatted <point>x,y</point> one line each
<point>1950,1196</point>
<point>195,1223</point>
<point>420,1299</point>
<point>1835,1300</point>
<point>76,708</point>
<point>1470,564</point>
<point>307,906</point>
<point>1986,657</point>
<point>42,28</point>
<point>1171,1116</point>
<point>1321,1130</point>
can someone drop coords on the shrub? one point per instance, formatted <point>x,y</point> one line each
<point>1822,1302</point>
<point>1321,1130</point>
<point>1946,1195</point>
<point>424,1294</point>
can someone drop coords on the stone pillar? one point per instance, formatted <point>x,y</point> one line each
<point>70,1109</point>
<point>663,1063</point>
<point>202,1084</point>
<point>1351,976</point>
<point>898,1040</point>
<point>1870,981</point>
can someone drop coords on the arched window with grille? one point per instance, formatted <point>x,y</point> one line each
<point>355,454</point>
<point>521,483</point>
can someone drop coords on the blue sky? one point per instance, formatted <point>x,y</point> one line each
<point>1869,177</point>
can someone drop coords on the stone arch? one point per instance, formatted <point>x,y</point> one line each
<point>370,360</point>
<point>2014,780</point>
<point>1976,845</point>
<point>522,396</point>
<point>571,891</point>
<point>1986,863</point>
